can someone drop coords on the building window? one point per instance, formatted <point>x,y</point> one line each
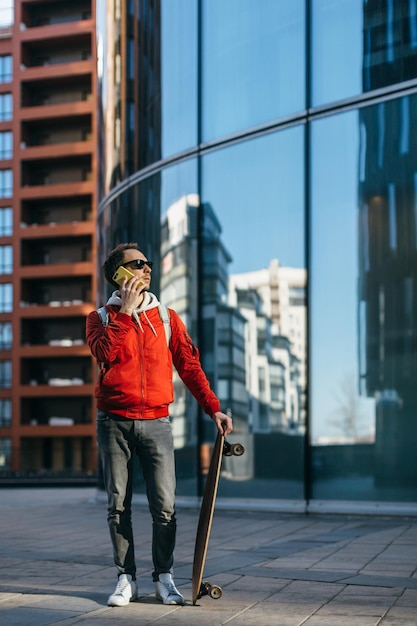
<point>5,374</point>
<point>5,335</point>
<point>6,183</point>
<point>5,412</point>
<point>6,107</point>
<point>6,221</point>
<point>6,13</point>
<point>6,259</point>
<point>6,145</point>
<point>6,73</point>
<point>5,453</point>
<point>6,298</point>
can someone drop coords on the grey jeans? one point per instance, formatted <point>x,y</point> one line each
<point>118,440</point>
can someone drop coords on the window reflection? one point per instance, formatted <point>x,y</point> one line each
<point>360,45</point>
<point>363,299</point>
<point>149,104</point>
<point>253,296</point>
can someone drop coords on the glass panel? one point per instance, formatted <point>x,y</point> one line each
<point>6,183</point>
<point>178,75</point>
<point>6,13</point>
<point>358,46</point>
<point>5,67</point>
<point>253,343</point>
<point>363,304</point>
<point>5,453</point>
<point>5,335</point>
<point>5,412</point>
<point>6,221</point>
<point>6,145</point>
<point>5,374</point>
<point>179,281</point>
<point>148,84</point>
<point>6,107</point>
<point>253,63</point>
<point>6,259</point>
<point>6,298</point>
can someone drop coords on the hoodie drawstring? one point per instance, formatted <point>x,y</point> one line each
<point>150,324</point>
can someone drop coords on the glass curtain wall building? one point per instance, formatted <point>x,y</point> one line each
<point>264,155</point>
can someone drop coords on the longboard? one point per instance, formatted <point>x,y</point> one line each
<point>200,588</point>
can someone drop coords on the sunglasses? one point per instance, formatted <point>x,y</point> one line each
<point>138,264</point>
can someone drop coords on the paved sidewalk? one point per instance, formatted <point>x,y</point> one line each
<point>275,569</point>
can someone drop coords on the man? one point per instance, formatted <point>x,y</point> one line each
<point>133,396</point>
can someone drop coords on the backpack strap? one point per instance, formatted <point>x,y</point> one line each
<point>163,314</point>
<point>103,315</point>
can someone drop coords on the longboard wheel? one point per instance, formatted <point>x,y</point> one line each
<point>237,449</point>
<point>207,589</point>
<point>233,449</point>
<point>215,592</point>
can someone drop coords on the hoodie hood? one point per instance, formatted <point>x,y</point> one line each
<point>150,301</point>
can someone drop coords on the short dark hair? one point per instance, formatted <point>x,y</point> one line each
<point>115,260</point>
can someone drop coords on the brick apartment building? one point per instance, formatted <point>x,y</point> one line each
<point>47,237</point>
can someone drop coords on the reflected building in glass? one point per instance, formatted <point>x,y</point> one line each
<point>273,302</point>
<point>263,155</point>
<point>388,244</point>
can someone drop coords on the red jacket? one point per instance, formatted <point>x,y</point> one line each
<point>135,378</point>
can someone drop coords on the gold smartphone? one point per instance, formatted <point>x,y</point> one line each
<point>120,273</point>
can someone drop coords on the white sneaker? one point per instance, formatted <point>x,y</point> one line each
<point>166,590</point>
<point>126,591</point>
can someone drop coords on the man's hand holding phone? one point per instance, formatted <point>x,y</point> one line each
<point>131,288</point>
<point>120,274</point>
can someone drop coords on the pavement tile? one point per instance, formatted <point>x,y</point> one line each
<point>382,581</point>
<point>403,612</point>
<point>295,574</point>
<point>387,621</point>
<point>362,620</point>
<point>31,616</point>
<point>259,616</point>
<point>407,598</point>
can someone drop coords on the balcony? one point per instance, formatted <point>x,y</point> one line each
<point>56,251</point>
<point>52,13</point>
<point>62,295</point>
<point>64,48</point>
<point>47,170</point>
<point>62,332</point>
<point>56,92</point>
<point>62,411</point>
<point>55,212</point>
<point>59,131</point>
<point>67,371</point>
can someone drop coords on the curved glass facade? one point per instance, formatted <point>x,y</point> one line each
<point>264,155</point>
